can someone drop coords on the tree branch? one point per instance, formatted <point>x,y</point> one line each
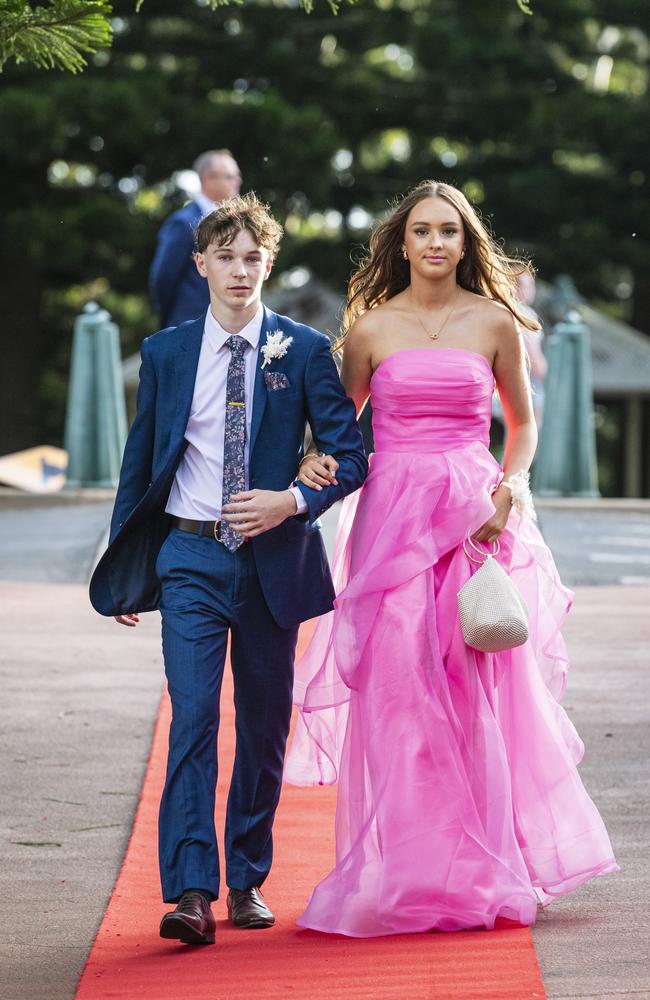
<point>54,37</point>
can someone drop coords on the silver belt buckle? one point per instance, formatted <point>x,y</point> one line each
<point>217,531</point>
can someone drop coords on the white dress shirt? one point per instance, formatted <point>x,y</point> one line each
<point>196,492</point>
<point>207,205</point>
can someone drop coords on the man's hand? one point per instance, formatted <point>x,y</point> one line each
<point>317,472</point>
<point>130,620</point>
<point>257,511</point>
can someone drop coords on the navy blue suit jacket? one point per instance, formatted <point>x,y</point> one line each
<point>290,559</point>
<point>177,290</point>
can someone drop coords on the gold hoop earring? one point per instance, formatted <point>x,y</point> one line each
<point>406,256</point>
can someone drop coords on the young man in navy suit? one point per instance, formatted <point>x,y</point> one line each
<point>177,290</point>
<point>207,528</point>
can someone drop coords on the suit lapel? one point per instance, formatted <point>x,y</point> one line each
<point>269,324</point>
<point>186,362</point>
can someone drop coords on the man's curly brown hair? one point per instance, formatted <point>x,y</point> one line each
<point>234,215</point>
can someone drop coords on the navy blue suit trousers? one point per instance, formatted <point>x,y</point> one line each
<point>208,591</point>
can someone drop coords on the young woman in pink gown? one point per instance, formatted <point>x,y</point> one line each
<point>459,800</point>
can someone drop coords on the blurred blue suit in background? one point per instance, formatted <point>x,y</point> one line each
<point>177,290</point>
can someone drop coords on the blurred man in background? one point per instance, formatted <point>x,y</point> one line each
<point>177,290</point>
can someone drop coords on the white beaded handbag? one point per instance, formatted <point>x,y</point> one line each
<point>493,614</point>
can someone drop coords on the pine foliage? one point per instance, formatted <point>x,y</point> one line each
<point>307,5</point>
<point>56,36</point>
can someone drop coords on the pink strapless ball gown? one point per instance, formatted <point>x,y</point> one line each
<point>459,799</point>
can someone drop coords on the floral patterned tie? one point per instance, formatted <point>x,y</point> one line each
<point>235,436</point>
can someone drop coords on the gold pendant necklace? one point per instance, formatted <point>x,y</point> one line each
<point>433,335</point>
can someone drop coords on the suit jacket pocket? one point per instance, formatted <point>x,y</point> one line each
<point>276,381</point>
<point>290,394</point>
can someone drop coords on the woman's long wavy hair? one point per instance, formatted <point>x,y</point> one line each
<point>485,269</point>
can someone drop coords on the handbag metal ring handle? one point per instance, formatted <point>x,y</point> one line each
<point>496,547</point>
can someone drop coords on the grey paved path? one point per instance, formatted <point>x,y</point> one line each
<point>80,696</point>
<point>599,546</point>
<point>53,538</point>
<point>76,718</point>
<point>596,942</point>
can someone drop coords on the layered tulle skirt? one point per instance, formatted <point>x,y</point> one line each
<point>459,798</point>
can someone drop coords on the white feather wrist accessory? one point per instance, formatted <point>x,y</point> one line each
<point>521,497</point>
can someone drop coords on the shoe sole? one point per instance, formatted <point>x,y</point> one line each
<point>252,925</point>
<point>178,930</point>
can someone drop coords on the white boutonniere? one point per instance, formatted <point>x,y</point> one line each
<point>276,346</point>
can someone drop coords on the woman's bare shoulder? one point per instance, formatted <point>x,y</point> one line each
<point>372,323</point>
<point>495,318</point>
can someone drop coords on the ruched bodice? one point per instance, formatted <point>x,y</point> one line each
<point>431,400</point>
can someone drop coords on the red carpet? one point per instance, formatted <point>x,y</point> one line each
<point>129,960</point>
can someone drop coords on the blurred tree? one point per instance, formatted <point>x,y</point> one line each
<point>541,120</point>
<point>60,35</point>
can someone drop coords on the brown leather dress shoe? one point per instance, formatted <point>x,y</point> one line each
<point>191,922</point>
<point>247,909</point>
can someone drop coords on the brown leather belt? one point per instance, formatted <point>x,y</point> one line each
<point>211,529</point>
